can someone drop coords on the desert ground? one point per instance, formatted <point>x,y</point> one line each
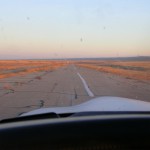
<point>26,85</point>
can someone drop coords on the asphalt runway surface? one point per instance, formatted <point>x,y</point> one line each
<point>66,86</point>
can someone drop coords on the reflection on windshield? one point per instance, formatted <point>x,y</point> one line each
<point>64,52</point>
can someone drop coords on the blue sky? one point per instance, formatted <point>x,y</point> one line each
<point>74,28</point>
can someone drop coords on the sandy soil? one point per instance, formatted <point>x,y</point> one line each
<point>63,87</point>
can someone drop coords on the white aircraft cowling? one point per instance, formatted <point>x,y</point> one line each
<point>105,103</point>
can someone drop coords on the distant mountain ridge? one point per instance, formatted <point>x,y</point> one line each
<point>138,58</point>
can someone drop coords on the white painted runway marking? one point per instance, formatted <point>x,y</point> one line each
<point>86,86</point>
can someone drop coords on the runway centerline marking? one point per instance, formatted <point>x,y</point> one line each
<point>89,92</point>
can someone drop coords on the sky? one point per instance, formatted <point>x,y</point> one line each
<point>74,28</point>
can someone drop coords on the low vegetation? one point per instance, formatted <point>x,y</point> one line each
<point>10,68</point>
<point>139,70</point>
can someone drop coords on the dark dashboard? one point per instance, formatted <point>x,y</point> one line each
<point>77,132</point>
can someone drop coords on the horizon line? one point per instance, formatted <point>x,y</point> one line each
<point>73,58</point>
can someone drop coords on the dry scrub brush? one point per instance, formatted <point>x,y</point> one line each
<point>134,74</point>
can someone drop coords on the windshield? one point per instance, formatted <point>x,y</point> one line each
<point>56,53</point>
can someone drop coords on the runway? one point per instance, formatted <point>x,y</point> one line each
<point>66,86</point>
